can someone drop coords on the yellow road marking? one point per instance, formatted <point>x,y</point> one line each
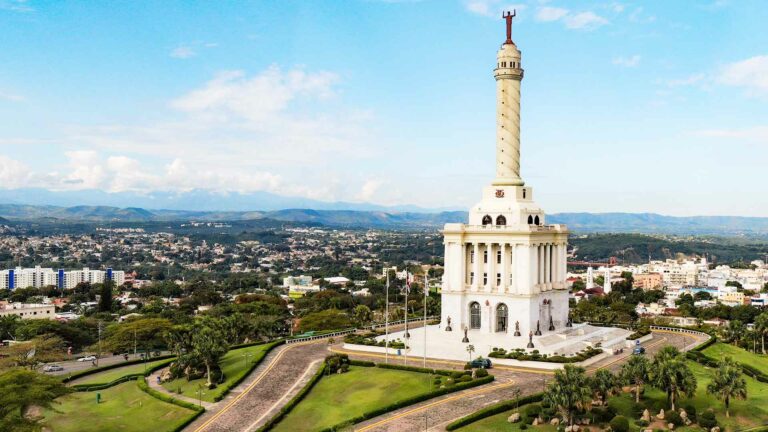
<point>250,387</point>
<point>433,404</point>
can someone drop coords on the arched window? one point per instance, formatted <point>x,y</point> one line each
<point>536,221</point>
<point>487,220</point>
<point>474,315</point>
<point>501,317</point>
<point>501,220</point>
<point>530,220</point>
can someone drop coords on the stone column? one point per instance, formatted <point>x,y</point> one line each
<point>547,268</point>
<point>504,287</point>
<point>491,286</point>
<point>476,267</point>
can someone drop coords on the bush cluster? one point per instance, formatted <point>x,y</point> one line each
<point>707,419</point>
<point>369,339</point>
<point>520,354</point>
<point>619,424</point>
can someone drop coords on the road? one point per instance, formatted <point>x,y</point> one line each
<point>72,366</point>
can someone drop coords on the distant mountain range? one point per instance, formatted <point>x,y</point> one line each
<point>647,223</point>
<point>201,200</point>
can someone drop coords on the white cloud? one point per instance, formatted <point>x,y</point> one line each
<point>16,6</point>
<point>578,21</point>
<point>11,97</point>
<point>369,189</point>
<point>257,98</point>
<point>13,174</point>
<point>491,8</point>
<point>757,134</point>
<point>752,74</point>
<point>584,20</point>
<point>686,81</point>
<point>629,62</point>
<point>549,13</point>
<point>183,52</point>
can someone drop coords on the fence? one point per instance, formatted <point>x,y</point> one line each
<point>353,330</point>
<point>686,331</point>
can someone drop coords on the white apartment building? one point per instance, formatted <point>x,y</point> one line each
<point>40,277</point>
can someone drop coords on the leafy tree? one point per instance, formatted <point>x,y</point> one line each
<point>142,333</point>
<point>604,383</point>
<point>363,314</point>
<point>670,373</point>
<point>635,371</point>
<point>208,345</point>
<point>761,326</point>
<point>33,353</point>
<point>21,390</point>
<point>105,298</point>
<point>330,319</point>
<point>736,284</point>
<point>734,331</point>
<point>728,383</point>
<point>8,326</point>
<point>569,391</point>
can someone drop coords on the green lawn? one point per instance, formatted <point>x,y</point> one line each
<point>232,364</point>
<point>719,350</point>
<point>338,398</point>
<point>744,413</point>
<point>123,408</point>
<point>113,374</point>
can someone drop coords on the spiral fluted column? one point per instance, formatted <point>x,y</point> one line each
<point>509,75</point>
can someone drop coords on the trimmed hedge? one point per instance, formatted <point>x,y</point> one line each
<point>256,362</point>
<point>521,355</point>
<point>410,401</point>
<point>294,401</point>
<point>362,363</point>
<point>113,366</point>
<point>122,379</point>
<point>415,369</point>
<point>493,410</point>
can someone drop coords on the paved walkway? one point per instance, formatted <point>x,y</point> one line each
<point>152,382</point>
<point>282,374</point>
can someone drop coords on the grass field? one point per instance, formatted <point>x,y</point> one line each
<point>719,350</point>
<point>338,398</point>
<point>232,364</point>
<point>123,408</point>
<point>113,374</point>
<point>744,413</point>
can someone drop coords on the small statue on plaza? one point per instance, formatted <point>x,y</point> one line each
<point>466,338</point>
<point>448,327</point>
<point>538,328</point>
<point>517,328</point>
<point>530,339</point>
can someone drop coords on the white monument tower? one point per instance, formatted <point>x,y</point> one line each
<point>607,280</point>
<point>506,266</point>
<point>590,278</point>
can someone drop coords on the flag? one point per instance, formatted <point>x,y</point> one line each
<point>407,282</point>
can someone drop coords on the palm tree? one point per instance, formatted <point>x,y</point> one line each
<point>604,383</point>
<point>669,372</point>
<point>728,383</point>
<point>470,350</point>
<point>734,331</point>
<point>569,391</point>
<point>761,326</point>
<point>635,371</point>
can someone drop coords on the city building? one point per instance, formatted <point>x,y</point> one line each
<point>299,286</point>
<point>63,279</point>
<point>29,310</point>
<point>647,281</point>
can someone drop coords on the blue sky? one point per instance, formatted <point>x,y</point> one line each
<point>651,106</point>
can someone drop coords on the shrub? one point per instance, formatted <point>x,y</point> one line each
<point>532,411</point>
<point>467,366</point>
<point>481,373</point>
<point>456,375</point>
<point>619,424</point>
<point>523,426</point>
<point>674,418</point>
<point>691,411</point>
<point>603,414</point>
<point>707,419</point>
<point>642,423</point>
<point>465,378</point>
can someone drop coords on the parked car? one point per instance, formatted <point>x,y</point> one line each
<point>481,363</point>
<point>639,350</point>
<point>87,358</point>
<point>52,368</point>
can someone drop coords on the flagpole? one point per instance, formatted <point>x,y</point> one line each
<point>426,291</point>
<point>407,290</point>
<point>386,322</point>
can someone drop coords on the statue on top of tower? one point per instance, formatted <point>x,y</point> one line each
<point>508,16</point>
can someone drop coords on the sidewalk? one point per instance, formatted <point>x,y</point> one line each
<point>153,384</point>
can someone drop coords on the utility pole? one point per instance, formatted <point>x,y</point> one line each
<point>98,356</point>
<point>134,343</point>
<point>386,321</point>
